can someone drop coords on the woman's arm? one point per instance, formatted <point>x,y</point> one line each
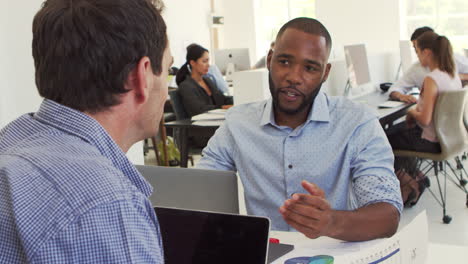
<point>221,101</point>
<point>424,116</point>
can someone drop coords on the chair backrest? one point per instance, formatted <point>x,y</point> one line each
<point>465,115</point>
<point>449,122</point>
<point>177,105</point>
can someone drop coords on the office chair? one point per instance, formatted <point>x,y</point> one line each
<point>177,105</point>
<point>180,113</point>
<point>459,160</point>
<point>453,139</point>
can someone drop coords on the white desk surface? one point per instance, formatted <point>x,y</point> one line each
<point>442,253</point>
<point>437,253</point>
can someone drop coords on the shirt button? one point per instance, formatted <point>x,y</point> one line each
<point>290,166</point>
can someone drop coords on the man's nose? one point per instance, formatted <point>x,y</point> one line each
<point>294,75</point>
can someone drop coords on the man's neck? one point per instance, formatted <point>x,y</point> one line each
<point>117,128</point>
<point>292,121</point>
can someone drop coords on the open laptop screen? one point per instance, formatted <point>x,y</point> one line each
<point>206,237</point>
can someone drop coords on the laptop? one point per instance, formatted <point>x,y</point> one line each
<point>195,189</point>
<point>191,236</point>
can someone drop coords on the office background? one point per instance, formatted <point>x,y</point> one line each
<point>380,24</point>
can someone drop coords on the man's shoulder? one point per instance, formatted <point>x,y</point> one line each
<point>246,111</point>
<point>70,165</point>
<point>343,107</point>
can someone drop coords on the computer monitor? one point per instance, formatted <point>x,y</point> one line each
<point>357,66</point>
<point>407,55</point>
<point>232,60</point>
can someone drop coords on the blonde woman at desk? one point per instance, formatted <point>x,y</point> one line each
<point>418,134</point>
<point>198,92</point>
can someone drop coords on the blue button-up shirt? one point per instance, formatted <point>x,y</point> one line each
<point>68,194</point>
<point>341,147</point>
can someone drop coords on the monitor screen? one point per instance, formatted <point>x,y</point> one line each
<point>239,58</point>
<point>407,54</point>
<point>207,237</point>
<point>357,64</point>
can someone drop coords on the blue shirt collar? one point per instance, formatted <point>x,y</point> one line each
<point>320,111</point>
<point>87,128</point>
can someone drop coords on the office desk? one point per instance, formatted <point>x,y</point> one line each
<point>386,116</point>
<point>411,240</point>
<point>436,253</point>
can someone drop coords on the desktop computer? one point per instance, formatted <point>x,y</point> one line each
<point>357,66</point>
<point>232,60</point>
<point>407,55</point>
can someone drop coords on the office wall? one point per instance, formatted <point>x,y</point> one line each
<point>3,58</point>
<point>239,30</point>
<point>373,22</point>
<point>17,88</point>
<point>187,22</point>
<point>18,94</point>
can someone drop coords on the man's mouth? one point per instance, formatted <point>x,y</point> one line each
<point>290,94</point>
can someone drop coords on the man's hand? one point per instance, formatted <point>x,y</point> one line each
<point>407,98</point>
<point>309,214</point>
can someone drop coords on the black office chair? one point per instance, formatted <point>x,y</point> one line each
<point>177,105</point>
<point>181,114</point>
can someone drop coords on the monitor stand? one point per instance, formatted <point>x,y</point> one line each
<point>347,88</point>
<point>230,69</point>
<point>398,71</point>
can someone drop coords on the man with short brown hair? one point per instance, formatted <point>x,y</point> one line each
<point>68,193</point>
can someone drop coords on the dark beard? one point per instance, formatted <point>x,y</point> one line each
<point>306,103</point>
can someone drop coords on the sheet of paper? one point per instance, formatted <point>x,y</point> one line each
<point>208,116</point>
<point>208,123</point>
<point>409,245</point>
<point>218,111</point>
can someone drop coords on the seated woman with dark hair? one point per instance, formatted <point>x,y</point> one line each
<point>199,94</point>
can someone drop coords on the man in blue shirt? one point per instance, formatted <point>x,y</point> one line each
<point>68,193</point>
<point>301,139</point>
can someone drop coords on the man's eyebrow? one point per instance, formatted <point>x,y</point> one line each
<point>313,62</point>
<point>289,56</point>
<point>285,56</point>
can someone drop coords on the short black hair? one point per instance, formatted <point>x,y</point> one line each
<point>84,49</point>
<point>419,31</point>
<point>307,25</point>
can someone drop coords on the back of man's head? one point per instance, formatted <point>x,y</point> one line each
<point>84,49</point>
<point>307,25</point>
<point>419,31</point>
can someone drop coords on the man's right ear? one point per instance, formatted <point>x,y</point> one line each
<point>269,56</point>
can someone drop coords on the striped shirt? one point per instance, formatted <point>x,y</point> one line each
<point>68,194</point>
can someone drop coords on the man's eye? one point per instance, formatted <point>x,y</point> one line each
<point>285,62</point>
<point>311,68</point>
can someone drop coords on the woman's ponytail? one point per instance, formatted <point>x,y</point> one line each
<point>444,54</point>
<point>441,49</point>
<point>182,73</point>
